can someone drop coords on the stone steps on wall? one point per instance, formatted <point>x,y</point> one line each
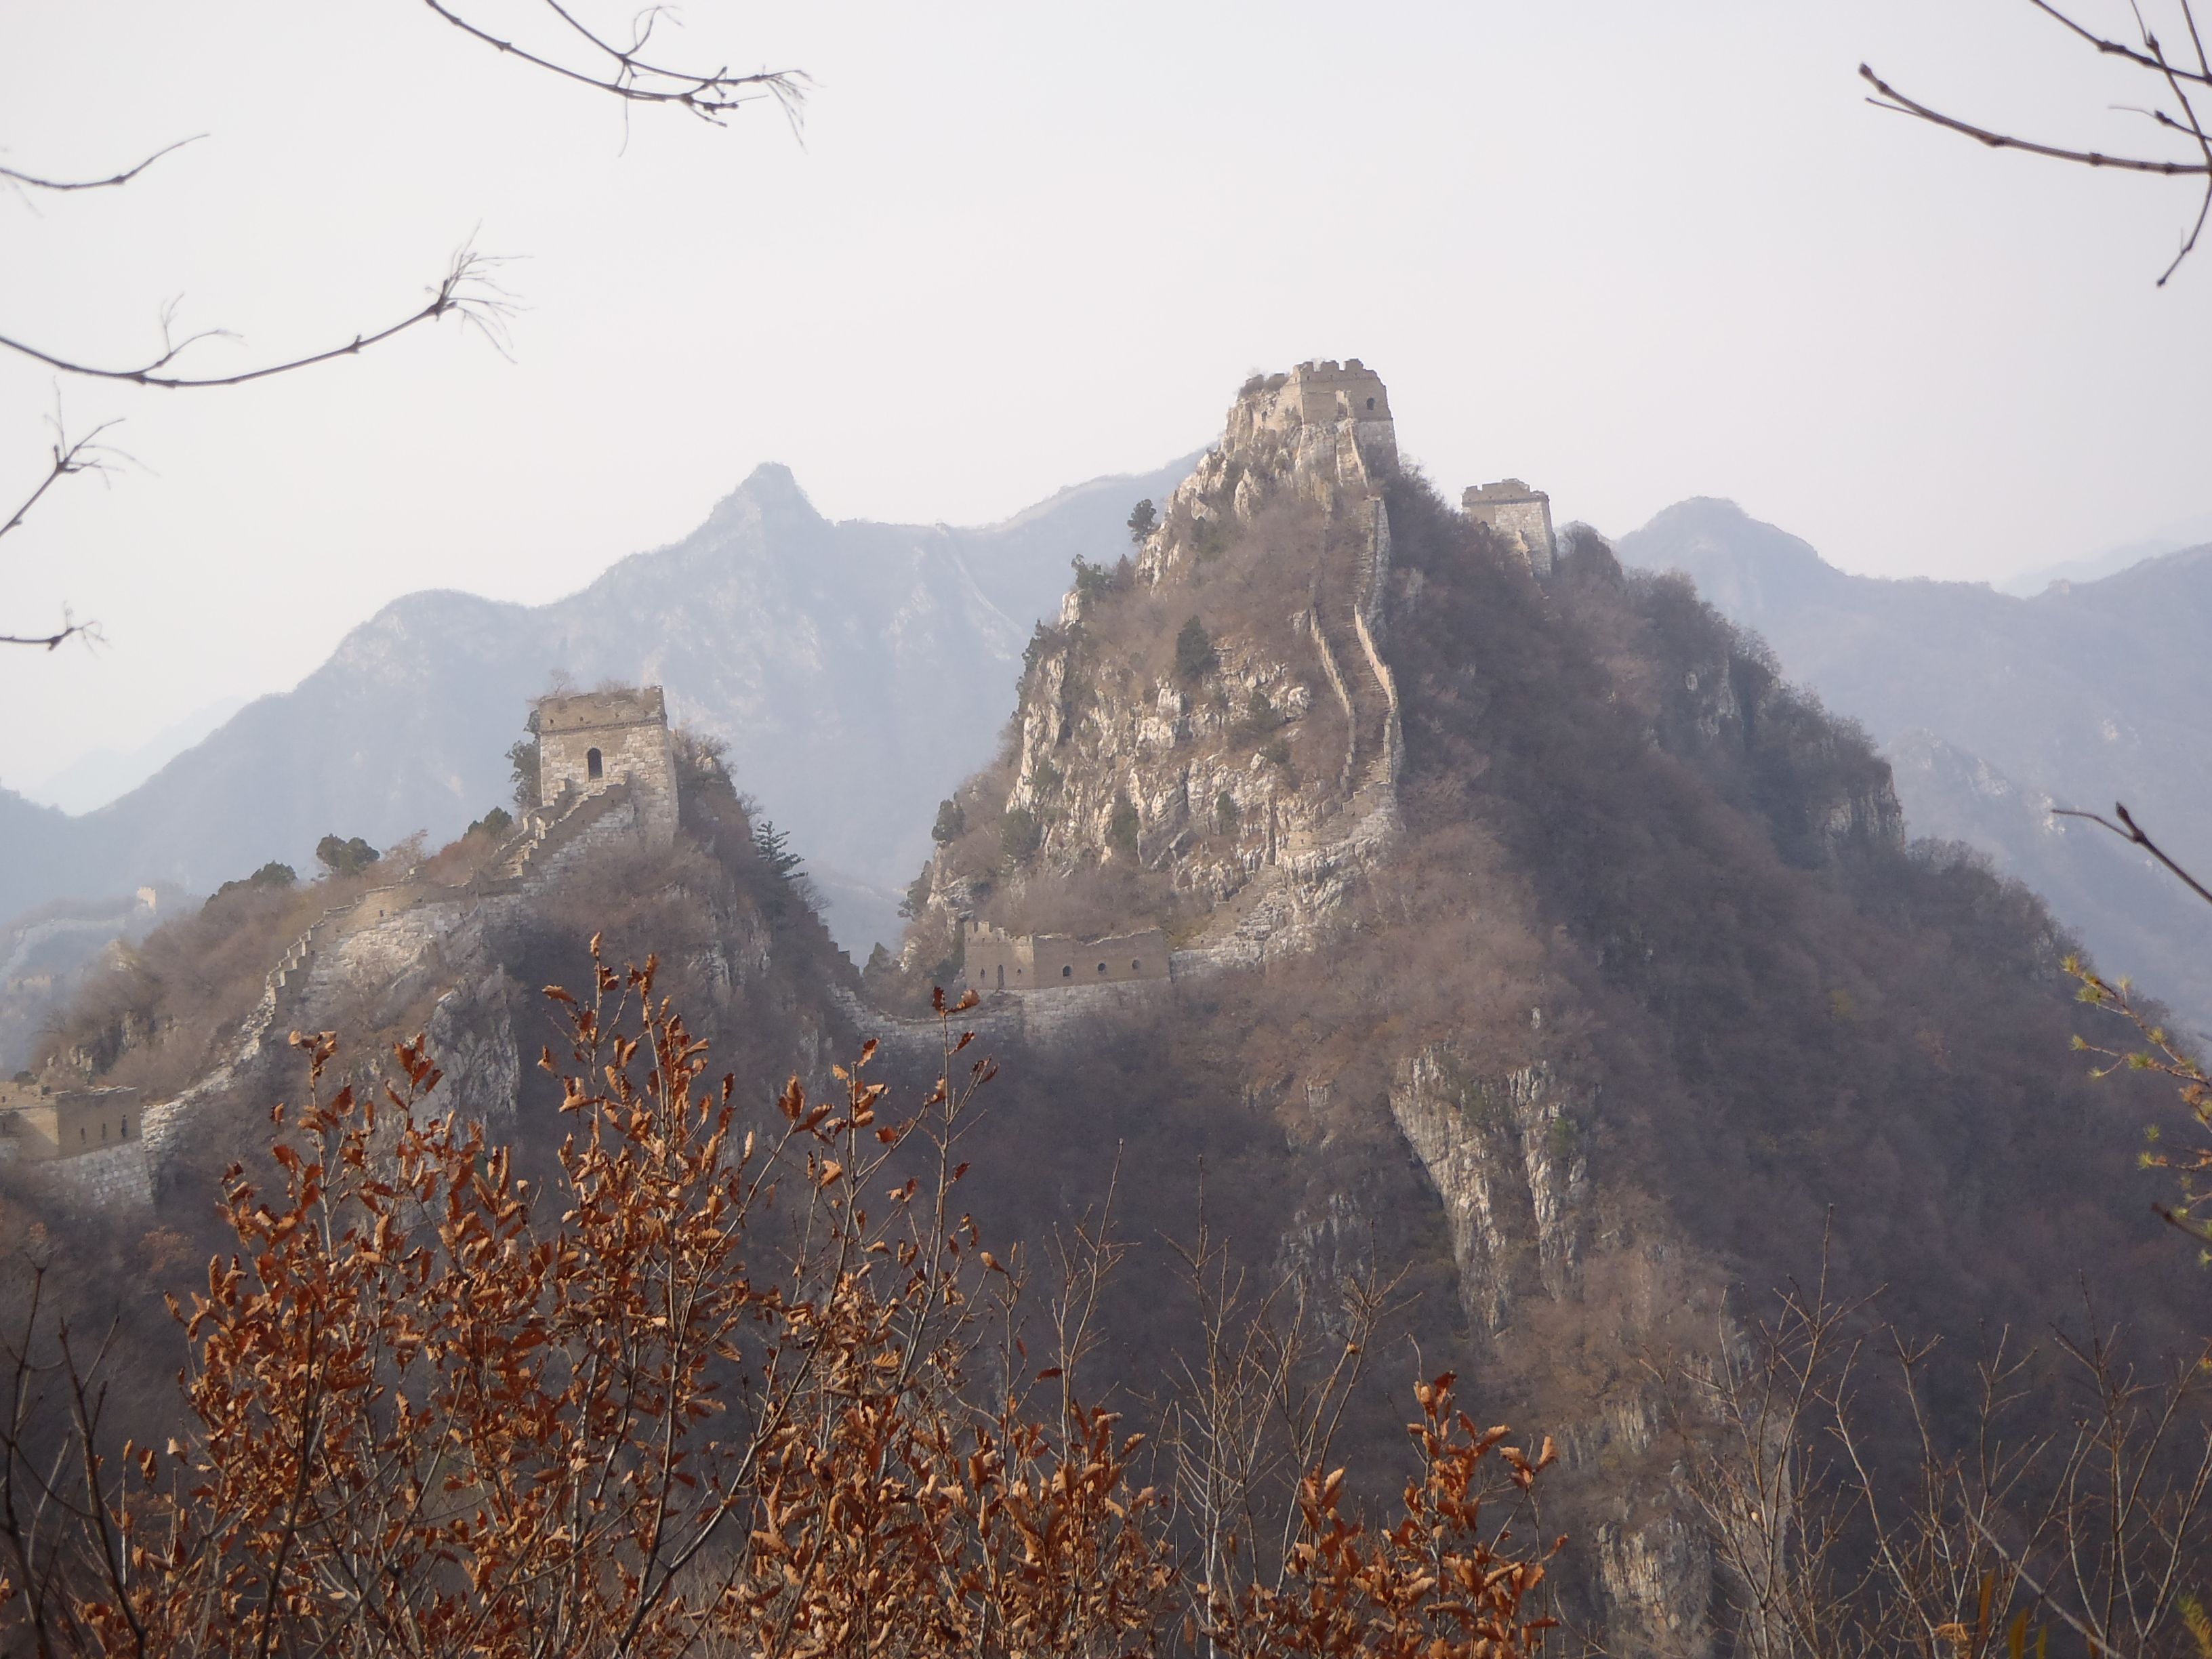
<point>1337,628</point>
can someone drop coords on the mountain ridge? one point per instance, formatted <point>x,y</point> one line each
<point>2078,695</point>
<point>904,636</point>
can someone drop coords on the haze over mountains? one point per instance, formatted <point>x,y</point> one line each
<point>1992,707</point>
<point>857,670</point>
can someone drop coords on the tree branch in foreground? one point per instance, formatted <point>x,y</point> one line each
<point>85,454</point>
<point>2149,57</point>
<point>466,291</point>
<point>2131,832</point>
<point>88,632</point>
<point>624,73</point>
<point>123,178</point>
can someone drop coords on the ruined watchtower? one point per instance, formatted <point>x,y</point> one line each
<point>1347,398</point>
<point>997,960</point>
<point>1522,516</point>
<point>587,744</point>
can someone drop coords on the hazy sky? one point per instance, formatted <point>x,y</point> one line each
<point>1629,251</point>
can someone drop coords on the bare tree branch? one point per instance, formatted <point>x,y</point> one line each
<point>71,629</point>
<point>2132,833</point>
<point>85,454</point>
<point>466,291</point>
<point>1891,99</point>
<point>2120,48</point>
<point>123,178</point>
<point>2148,55</point>
<point>626,74</point>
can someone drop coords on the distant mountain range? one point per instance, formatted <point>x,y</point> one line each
<point>858,670</point>
<point>2171,539</point>
<point>100,775</point>
<point>1993,708</point>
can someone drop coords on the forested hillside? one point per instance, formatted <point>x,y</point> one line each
<point>1553,985</point>
<point>1649,982</point>
<point>1993,708</point>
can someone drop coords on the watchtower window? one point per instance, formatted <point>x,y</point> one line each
<point>1136,967</point>
<point>593,766</point>
<point>1371,402</point>
<point>1102,967</point>
<point>1068,972</point>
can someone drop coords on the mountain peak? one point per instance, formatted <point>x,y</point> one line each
<point>769,491</point>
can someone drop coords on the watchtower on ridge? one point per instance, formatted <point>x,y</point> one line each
<point>588,743</point>
<point>1327,394</point>
<point>1521,515</point>
<point>998,961</point>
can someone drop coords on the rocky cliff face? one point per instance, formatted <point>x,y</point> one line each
<point>1217,715</point>
<point>1540,949</point>
<point>1507,1160</point>
<point>1212,737</point>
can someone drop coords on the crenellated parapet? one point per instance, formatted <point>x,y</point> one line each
<point>1346,401</point>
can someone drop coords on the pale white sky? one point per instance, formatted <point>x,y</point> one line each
<point>1630,252</point>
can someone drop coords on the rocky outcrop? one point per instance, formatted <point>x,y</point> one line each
<point>1263,783</point>
<point>471,1034</point>
<point>1506,1157</point>
<point>1656,1570</point>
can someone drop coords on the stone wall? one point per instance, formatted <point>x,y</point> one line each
<point>1521,515</point>
<point>111,1177</point>
<point>588,743</point>
<point>995,961</point>
<point>1073,1015</point>
<point>43,1123</point>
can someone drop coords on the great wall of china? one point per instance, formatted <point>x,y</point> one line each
<point>607,772</point>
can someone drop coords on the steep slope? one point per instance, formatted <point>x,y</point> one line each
<point>1996,708</point>
<point>1604,1000</point>
<point>856,671</point>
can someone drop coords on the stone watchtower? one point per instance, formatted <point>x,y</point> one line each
<point>1347,397</point>
<point>1522,516</point>
<point>587,744</point>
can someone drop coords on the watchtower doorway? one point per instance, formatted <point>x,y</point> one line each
<point>594,766</point>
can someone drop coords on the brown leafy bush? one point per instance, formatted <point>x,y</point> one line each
<point>750,1384</point>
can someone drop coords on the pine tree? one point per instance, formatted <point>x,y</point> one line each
<point>773,847</point>
<point>1193,650</point>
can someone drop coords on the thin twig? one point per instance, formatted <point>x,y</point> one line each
<point>71,629</point>
<point>2133,834</point>
<point>2117,48</point>
<point>85,454</point>
<point>2097,1645</point>
<point>121,177</point>
<point>1891,99</point>
<point>708,94</point>
<point>466,291</point>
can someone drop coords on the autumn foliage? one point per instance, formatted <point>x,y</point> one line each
<point>742,1383</point>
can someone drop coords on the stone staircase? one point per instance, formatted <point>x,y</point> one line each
<point>295,961</point>
<point>546,830</point>
<point>1347,607</point>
